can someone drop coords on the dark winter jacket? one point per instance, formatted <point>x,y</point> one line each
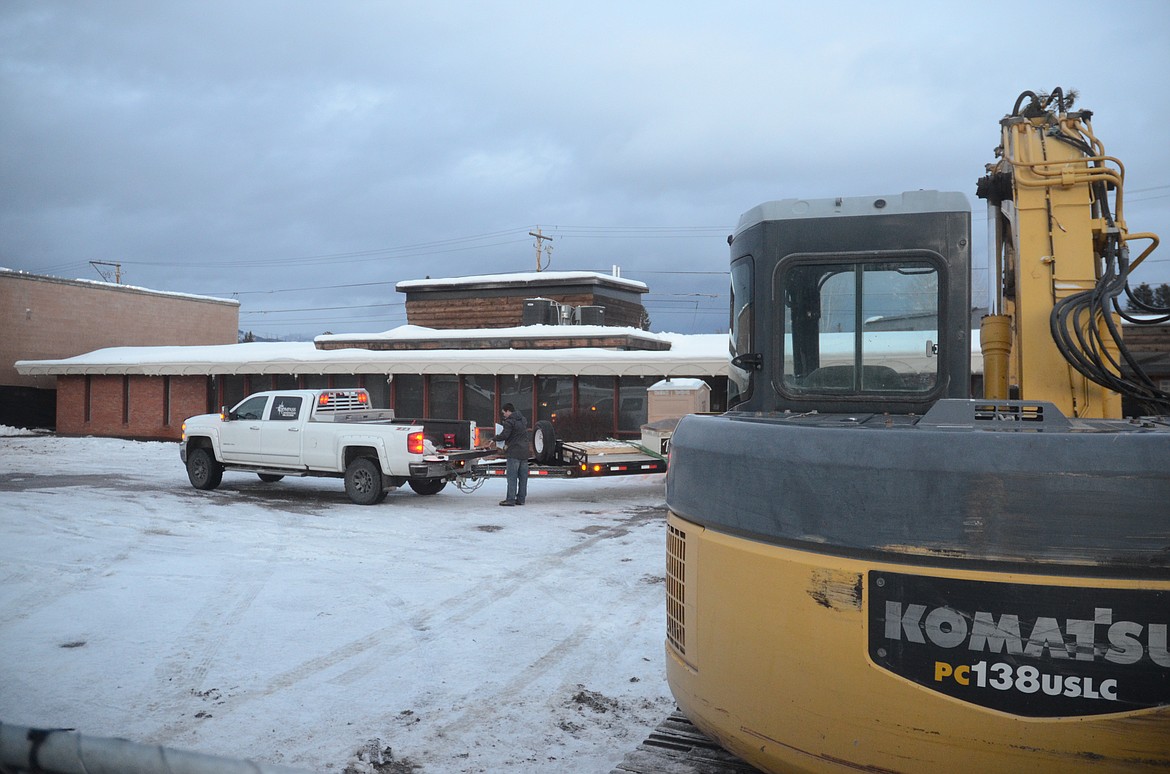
<point>515,436</point>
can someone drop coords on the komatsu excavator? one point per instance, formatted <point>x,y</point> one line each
<point>869,569</point>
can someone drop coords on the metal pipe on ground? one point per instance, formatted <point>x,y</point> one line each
<point>64,751</point>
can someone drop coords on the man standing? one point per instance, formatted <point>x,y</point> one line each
<point>514,436</point>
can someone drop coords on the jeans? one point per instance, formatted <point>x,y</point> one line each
<point>517,472</point>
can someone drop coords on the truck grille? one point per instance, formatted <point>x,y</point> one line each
<point>676,562</point>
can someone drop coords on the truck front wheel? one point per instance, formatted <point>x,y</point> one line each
<point>363,482</point>
<point>203,469</point>
<point>427,486</point>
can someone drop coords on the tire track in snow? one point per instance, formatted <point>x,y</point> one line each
<point>461,607</point>
<point>455,610</point>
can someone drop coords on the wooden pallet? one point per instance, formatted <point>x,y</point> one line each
<point>677,747</point>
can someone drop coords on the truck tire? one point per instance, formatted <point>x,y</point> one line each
<point>544,443</point>
<point>427,486</point>
<point>363,481</point>
<point>203,469</point>
<point>270,478</point>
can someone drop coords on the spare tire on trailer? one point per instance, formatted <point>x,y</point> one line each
<point>544,442</point>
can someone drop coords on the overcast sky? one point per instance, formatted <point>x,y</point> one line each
<point>305,156</point>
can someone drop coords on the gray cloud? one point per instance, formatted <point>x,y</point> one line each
<point>261,146</point>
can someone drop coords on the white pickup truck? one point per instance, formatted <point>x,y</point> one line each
<point>329,433</point>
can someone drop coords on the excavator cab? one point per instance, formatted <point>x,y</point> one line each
<point>875,298</point>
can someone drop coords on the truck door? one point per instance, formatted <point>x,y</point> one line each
<point>280,434</point>
<point>239,438</point>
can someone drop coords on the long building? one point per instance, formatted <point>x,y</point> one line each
<point>146,392</point>
<point>591,379</point>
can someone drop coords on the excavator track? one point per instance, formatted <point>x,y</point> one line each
<point>677,747</point>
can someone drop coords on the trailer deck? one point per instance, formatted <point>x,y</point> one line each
<point>581,459</point>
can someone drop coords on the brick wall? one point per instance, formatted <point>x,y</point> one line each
<point>508,311</point>
<point>46,318</point>
<point>155,407</point>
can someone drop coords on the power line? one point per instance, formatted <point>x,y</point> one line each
<point>323,308</point>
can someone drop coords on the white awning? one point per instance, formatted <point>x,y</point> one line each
<point>690,355</point>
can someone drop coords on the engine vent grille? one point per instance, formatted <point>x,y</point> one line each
<point>676,563</point>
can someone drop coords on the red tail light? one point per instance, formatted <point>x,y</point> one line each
<point>414,442</point>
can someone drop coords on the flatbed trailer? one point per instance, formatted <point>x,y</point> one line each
<point>583,459</point>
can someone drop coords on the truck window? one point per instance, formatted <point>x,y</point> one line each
<point>252,408</point>
<point>285,408</point>
<point>863,327</point>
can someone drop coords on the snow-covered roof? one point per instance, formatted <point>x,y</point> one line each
<point>116,286</point>
<point>533,279</point>
<point>683,384</point>
<point>689,355</point>
<point>420,333</point>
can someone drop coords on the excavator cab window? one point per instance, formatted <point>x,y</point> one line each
<point>859,326</point>
<point>744,361</point>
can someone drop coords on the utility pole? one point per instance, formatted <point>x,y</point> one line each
<point>540,239</point>
<point>102,274</point>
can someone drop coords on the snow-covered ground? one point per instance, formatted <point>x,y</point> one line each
<point>282,623</point>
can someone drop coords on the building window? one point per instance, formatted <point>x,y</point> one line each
<point>379,388</point>
<point>285,382</point>
<point>125,400</point>
<point>595,402</point>
<point>88,399</point>
<point>166,401</point>
<point>479,400</point>
<point>316,381</point>
<point>444,396</point>
<point>346,381</point>
<point>554,395</point>
<point>517,390</point>
<point>408,396</point>
<point>234,390</point>
<point>632,402</point>
<point>212,395</point>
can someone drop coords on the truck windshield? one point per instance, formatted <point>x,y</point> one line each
<point>862,326</point>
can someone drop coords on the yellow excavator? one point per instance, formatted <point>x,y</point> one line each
<point>876,562</point>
